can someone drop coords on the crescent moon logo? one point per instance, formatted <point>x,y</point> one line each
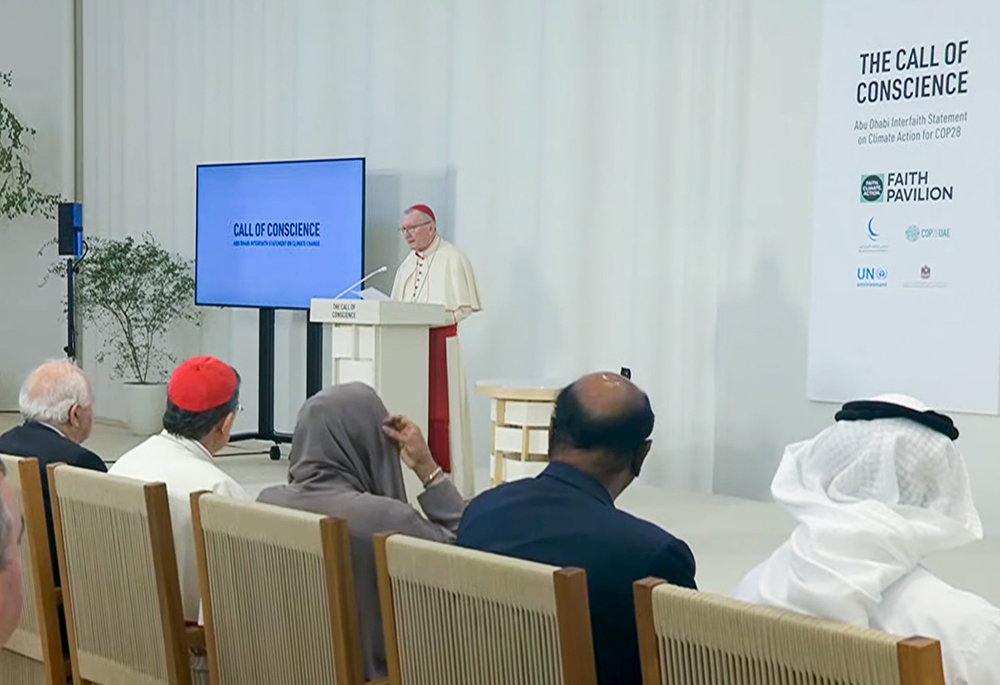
<point>872,235</point>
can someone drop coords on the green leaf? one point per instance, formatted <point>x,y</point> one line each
<point>18,194</point>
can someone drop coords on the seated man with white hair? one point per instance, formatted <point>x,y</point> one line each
<point>873,495</point>
<point>57,405</point>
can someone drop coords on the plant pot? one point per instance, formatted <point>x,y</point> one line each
<point>146,402</point>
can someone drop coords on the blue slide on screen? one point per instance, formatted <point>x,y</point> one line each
<point>278,234</point>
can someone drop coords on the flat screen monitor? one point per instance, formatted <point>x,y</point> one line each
<point>277,234</point>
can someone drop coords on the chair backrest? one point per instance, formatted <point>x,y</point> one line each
<point>34,652</point>
<point>277,593</point>
<point>453,615</point>
<point>694,637</point>
<point>119,575</point>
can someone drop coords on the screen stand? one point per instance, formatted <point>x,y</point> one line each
<point>265,380</point>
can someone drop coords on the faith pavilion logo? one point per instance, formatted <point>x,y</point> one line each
<point>872,188</point>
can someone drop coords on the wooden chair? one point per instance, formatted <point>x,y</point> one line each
<point>277,593</point>
<point>34,654</point>
<point>453,615</point>
<point>697,637</point>
<point>120,582</point>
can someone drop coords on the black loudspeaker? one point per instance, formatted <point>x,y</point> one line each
<point>71,229</point>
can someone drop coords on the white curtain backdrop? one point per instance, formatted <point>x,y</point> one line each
<point>632,180</point>
<point>36,46</point>
<point>585,154</point>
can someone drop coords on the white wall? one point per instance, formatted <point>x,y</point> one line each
<point>632,180</point>
<point>36,43</point>
<point>763,315</point>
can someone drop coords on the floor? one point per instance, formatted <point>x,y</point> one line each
<point>728,535</point>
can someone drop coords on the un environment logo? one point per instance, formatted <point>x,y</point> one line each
<point>872,186</point>
<point>913,234</point>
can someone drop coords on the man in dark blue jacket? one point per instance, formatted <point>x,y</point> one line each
<point>57,403</point>
<point>566,516</point>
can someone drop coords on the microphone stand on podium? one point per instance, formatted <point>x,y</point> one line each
<point>381,270</point>
<point>265,373</point>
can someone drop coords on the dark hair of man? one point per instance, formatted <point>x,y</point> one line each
<point>196,425</point>
<point>621,435</point>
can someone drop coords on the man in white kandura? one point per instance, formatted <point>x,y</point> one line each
<point>436,272</point>
<point>873,495</point>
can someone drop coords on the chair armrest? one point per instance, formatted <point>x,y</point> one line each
<point>195,637</point>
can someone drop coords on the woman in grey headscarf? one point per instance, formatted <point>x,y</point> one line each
<point>345,463</point>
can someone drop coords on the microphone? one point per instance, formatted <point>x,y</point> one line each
<point>381,270</point>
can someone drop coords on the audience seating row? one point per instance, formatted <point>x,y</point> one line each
<point>278,603</point>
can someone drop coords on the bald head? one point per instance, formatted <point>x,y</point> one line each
<point>601,424</point>
<point>607,396</point>
<point>58,393</point>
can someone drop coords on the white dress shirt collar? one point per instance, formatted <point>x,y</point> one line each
<point>52,428</point>
<point>192,446</point>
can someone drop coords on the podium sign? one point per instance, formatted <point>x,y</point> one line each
<point>373,313</point>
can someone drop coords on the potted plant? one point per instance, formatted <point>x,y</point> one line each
<point>132,292</point>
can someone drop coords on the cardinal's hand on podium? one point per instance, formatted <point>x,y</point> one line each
<point>413,449</point>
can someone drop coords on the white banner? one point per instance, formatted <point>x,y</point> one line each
<point>905,287</point>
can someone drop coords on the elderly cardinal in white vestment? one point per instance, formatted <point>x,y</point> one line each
<point>437,272</point>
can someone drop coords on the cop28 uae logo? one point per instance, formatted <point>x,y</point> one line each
<point>915,233</point>
<point>872,187</point>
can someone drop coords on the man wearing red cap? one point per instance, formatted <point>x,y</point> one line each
<point>202,400</point>
<point>437,272</point>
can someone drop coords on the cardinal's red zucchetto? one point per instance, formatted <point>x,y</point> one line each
<point>201,384</point>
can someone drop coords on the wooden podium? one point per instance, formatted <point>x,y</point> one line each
<point>385,345</point>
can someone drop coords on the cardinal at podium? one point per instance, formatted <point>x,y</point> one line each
<point>436,272</point>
